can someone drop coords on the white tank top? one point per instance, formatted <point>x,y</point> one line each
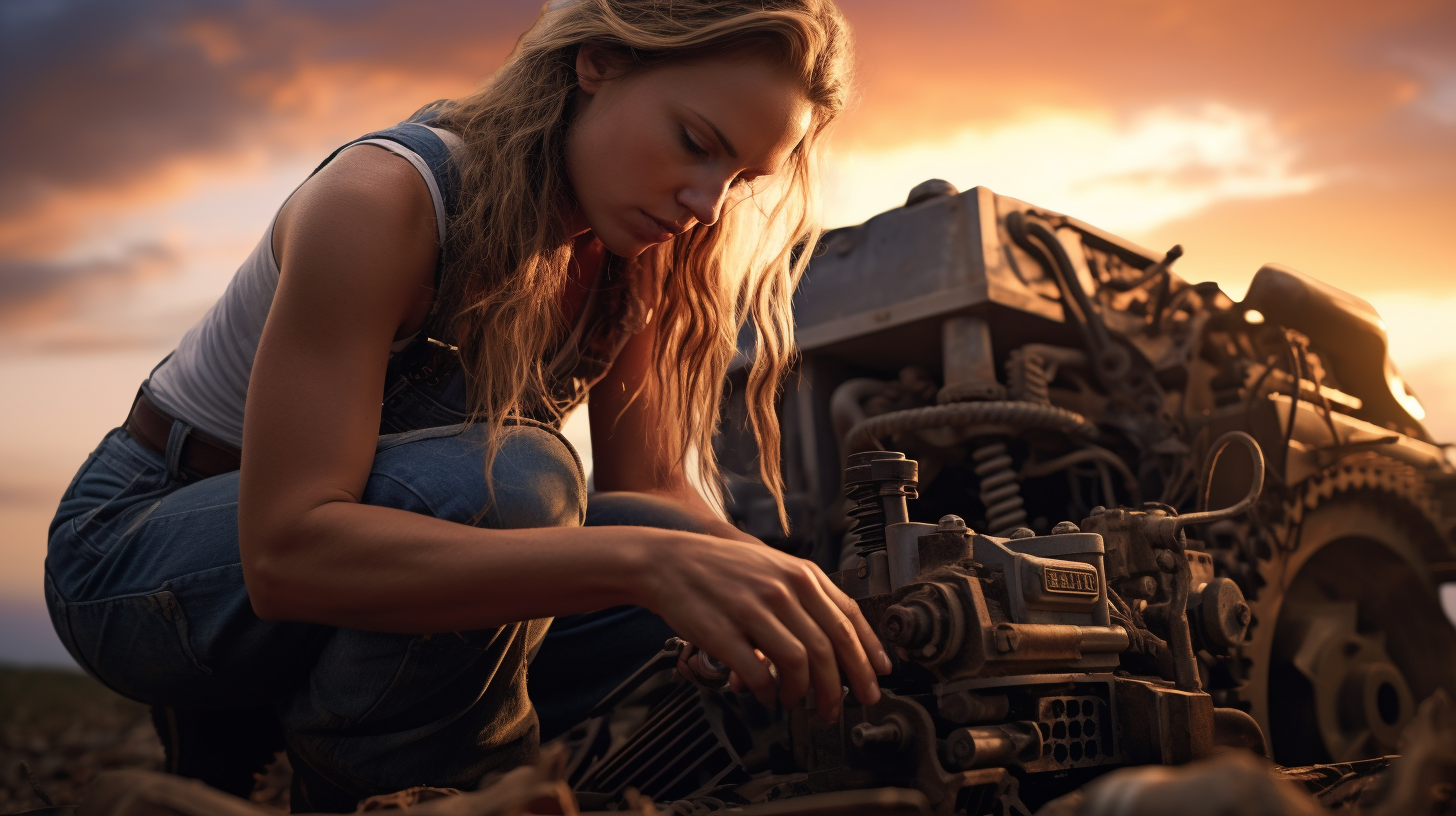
<point>205,381</point>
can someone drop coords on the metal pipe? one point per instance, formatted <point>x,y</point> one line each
<point>968,363</point>
<point>1256,484</point>
<point>902,543</point>
<point>1089,453</point>
<point>1185,664</point>
<point>846,407</point>
<point>987,746</point>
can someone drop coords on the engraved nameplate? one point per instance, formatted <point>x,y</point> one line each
<point>1069,581</point>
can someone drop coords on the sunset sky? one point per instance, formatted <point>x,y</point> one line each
<point>146,145</point>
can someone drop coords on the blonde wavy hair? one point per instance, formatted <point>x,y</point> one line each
<point>508,253</point>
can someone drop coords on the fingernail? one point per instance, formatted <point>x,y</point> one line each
<point>884,661</point>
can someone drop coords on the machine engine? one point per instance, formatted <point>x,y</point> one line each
<point>1044,659</point>
<point>972,362</point>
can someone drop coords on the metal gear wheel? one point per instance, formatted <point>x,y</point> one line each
<point>1348,635</point>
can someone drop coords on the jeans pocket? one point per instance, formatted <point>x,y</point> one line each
<point>138,645</point>
<point>106,496</point>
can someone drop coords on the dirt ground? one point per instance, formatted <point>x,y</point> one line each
<point>68,728</point>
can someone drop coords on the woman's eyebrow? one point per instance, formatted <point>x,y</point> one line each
<point>727,145</point>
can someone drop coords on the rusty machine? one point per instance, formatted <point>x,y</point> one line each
<point>1100,516</point>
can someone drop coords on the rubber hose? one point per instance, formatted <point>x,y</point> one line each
<point>1014,413</point>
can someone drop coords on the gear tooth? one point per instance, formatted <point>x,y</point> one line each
<point>1282,529</point>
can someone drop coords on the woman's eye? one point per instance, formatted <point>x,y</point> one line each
<point>691,146</point>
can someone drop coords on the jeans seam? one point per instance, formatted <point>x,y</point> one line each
<point>418,496</point>
<point>394,440</point>
<point>189,511</point>
<point>120,455</point>
<point>69,637</point>
<point>393,681</point>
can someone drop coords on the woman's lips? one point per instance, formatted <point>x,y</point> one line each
<point>658,230</point>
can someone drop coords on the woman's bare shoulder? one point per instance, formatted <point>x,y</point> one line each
<point>366,193</point>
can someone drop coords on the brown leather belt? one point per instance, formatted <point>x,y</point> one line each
<point>202,455</point>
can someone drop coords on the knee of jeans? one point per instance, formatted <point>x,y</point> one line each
<point>619,508</point>
<point>537,481</point>
<point>536,478</point>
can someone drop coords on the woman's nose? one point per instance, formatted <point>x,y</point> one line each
<point>704,201</point>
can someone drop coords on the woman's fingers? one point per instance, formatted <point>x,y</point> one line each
<point>821,654</point>
<point>779,633</point>
<point>836,619</point>
<point>862,629</point>
<point>736,683</point>
<point>728,644</point>
<point>749,606</point>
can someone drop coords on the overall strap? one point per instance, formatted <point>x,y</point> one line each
<point>439,170</point>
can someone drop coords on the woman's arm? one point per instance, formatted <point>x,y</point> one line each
<point>357,250</point>
<point>626,422</point>
<point>624,426</point>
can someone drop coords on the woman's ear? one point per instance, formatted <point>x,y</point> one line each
<point>593,67</point>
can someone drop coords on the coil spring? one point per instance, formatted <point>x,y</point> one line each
<point>868,515</point>
<point>1029,377</point>
<point>1000,489</point>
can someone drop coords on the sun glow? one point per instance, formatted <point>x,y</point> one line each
<point>1122,174</point>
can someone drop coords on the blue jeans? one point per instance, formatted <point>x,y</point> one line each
<point>145,587</point>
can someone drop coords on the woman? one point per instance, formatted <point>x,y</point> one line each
<point>602,217</point>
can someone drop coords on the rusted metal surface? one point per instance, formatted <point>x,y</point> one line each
<point>1270,519</point>
<point>964,329</point>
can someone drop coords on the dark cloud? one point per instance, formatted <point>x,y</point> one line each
<point>33,290</point>
<point>98,94</point>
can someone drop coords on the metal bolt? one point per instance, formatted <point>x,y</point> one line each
<point>952,524</point>
<point>1064,527</point>
<point>1098,510</point>
<point>1023,532</point>
<point>1167,561</point>
<point>709,667</point>
<point>928,189</point>
<point>902,627</point>
<point>962,745</point>
<point>862,569</point>
<point>1243,614</point>
<point>887,733</point>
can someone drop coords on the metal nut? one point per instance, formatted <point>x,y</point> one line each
<point>951,524</point>
<point>902,627</point>
<point>1167,561</point>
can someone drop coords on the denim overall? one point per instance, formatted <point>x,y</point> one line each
<point>145,588</point>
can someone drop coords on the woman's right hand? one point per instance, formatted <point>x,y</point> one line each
<point>730,598</point>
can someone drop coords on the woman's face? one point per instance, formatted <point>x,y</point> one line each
<point>653,153</point>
